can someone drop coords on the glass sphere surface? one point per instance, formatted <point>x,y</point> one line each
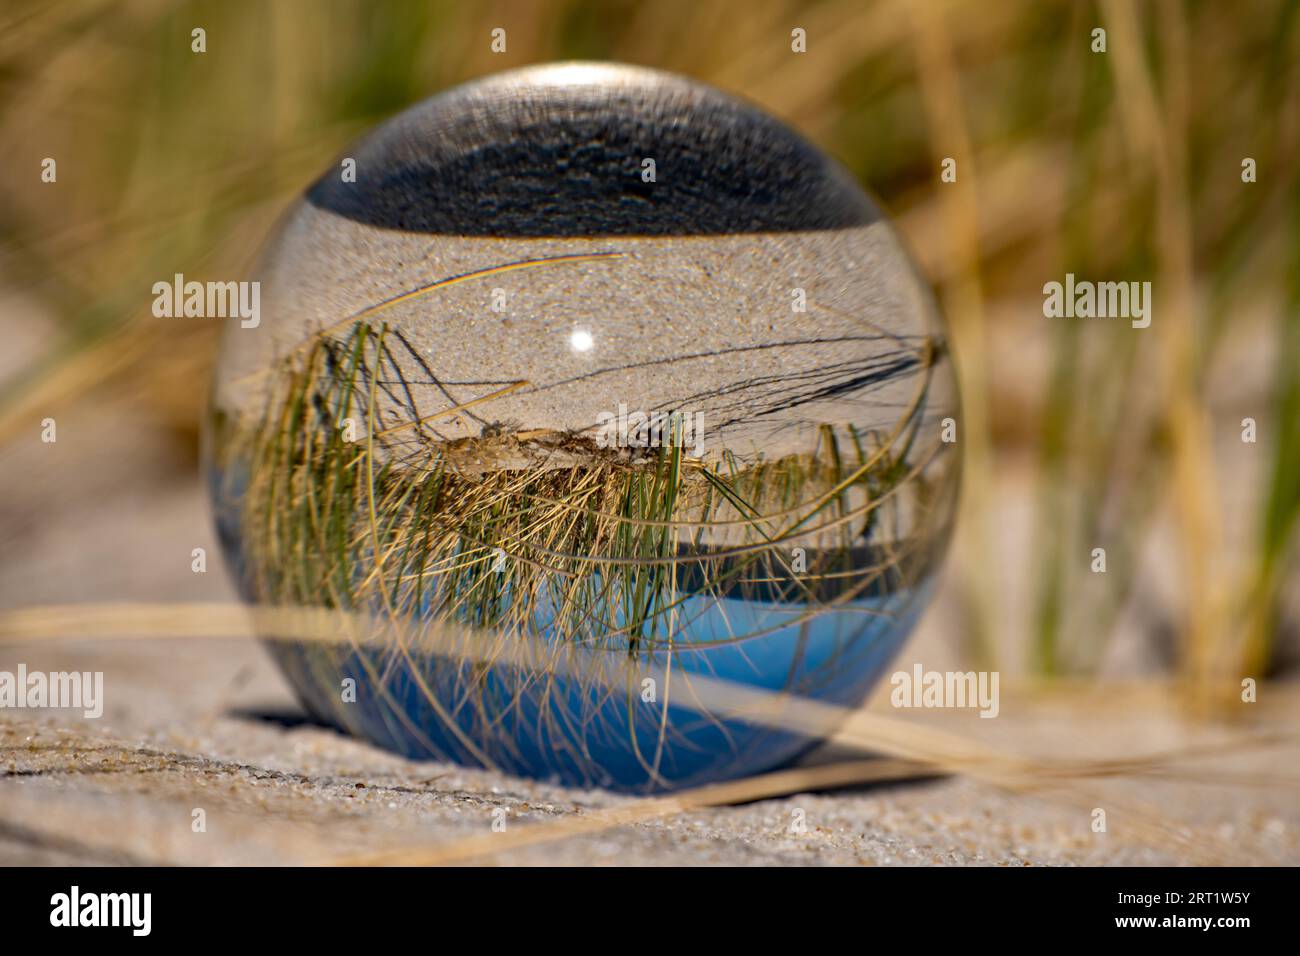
<point>601,421</point>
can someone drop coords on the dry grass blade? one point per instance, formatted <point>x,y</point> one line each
<point>910,749</point>
<point>762,787</point>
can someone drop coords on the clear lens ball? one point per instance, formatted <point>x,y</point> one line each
<point>594,420</point>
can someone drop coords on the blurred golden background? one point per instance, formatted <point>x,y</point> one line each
<point>1077,433</point>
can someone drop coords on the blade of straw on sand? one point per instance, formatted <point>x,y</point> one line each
<point>915,749</point>
<point>897,738</point>
<point>763,786</point>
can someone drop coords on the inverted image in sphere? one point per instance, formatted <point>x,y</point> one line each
<point>597,421</point>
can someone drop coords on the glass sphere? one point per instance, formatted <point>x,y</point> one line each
<point>588,410</point>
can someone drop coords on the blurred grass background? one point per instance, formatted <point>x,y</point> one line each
<point>1078,434</point>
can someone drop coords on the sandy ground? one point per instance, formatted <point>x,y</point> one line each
<point>208,725</point>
